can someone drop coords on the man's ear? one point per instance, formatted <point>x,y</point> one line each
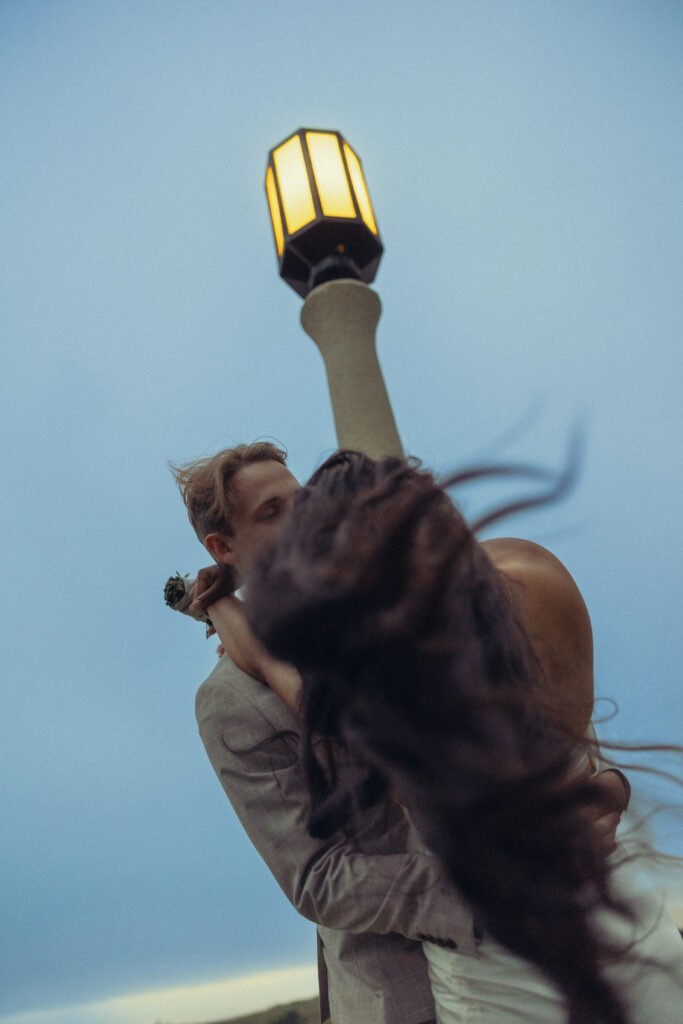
<point>219,546</point>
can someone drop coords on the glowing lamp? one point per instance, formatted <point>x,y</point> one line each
<point>323,223</point>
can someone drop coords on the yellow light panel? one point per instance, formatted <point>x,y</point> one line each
<point>330,177</point>
<point>361,191</point>
<point>274,211</point>
<point>295,191</point>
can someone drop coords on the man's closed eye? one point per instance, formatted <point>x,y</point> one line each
<point>271,512</point>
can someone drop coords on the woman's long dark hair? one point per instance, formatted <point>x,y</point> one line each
<point>413,656</point>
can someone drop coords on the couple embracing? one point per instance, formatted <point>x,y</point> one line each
<point>401,723</point>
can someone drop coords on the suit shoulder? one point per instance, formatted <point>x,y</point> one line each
<point>226,682</point>
<point>229,694</point>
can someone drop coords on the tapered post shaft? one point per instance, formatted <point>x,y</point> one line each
<point>341,317</point>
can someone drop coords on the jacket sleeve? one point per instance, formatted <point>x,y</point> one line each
<point>251,739</point>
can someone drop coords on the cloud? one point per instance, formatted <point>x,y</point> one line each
<point>185,1004</point>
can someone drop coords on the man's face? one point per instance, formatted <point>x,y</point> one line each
<point>264,491</point>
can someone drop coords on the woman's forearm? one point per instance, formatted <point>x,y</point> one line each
<point>229,621</point>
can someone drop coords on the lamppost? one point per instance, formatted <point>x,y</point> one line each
<point>328,248</point>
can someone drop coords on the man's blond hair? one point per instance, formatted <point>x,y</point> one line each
<point>206,485</point>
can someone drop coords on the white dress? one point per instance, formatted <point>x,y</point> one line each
<point>498,987</point>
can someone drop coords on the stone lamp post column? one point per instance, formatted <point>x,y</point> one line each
<point>341,317</point>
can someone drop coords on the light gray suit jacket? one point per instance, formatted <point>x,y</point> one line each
<point>373,900</point>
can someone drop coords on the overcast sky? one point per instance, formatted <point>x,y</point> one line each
<point>524,160</point>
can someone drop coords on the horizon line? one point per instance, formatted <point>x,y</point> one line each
<point>185,1004</point>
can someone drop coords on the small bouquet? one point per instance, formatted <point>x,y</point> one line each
<point>177,596</point>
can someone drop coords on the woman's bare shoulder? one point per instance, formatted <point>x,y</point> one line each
<point>546,584</point>
<point>556,619</point>
<point>506,552</point>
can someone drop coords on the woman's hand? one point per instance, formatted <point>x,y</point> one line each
<point>611,796</point>
<point>212,583</point>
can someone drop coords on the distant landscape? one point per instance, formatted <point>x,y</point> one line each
<point>301,1011</point>
<point>307,1011</point>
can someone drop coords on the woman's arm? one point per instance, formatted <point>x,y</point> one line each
<point>229,620</point>
<point>212,594</point>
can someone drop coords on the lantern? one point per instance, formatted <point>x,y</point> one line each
<point>323,223</point>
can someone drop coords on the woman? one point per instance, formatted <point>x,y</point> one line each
<point>462,673</point>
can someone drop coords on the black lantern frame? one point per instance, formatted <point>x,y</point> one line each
<point>326,246</point>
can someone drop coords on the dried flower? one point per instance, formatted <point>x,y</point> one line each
<point>177,596</point>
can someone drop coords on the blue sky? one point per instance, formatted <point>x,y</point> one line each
<point>525,165</point>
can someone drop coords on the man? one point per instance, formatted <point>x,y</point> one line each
<point>374,900</point>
